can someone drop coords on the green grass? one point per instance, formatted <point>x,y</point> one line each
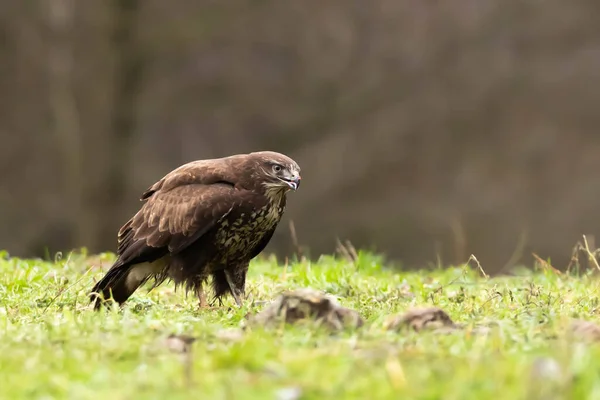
<point>54,347</point>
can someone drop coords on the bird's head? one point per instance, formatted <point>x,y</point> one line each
<point>277,172</point>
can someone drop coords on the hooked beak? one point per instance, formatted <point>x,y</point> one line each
<point>293,183</point>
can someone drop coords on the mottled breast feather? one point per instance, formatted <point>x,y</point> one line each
<point>240,233</point>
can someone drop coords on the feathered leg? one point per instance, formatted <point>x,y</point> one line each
<point>236,278</point>
<point>235,290</point>
<point>232,281</point>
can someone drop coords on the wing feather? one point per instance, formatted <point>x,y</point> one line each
<point>174,219</point>
<point>180,208</point>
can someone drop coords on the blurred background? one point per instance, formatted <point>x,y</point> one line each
<point>426,130</point>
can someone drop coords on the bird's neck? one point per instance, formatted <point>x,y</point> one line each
<point>275,195</point>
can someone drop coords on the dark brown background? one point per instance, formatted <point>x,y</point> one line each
<point>425,129</point>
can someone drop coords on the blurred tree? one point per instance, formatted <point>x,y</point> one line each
<point>127,80</point>
<point>65,118</point>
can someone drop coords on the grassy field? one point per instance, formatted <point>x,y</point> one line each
<point>54,347</point>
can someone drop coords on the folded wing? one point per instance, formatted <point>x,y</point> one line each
<point>172,220</point>
<point>178,210</point>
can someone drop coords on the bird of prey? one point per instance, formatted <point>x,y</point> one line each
<point>207,218</point>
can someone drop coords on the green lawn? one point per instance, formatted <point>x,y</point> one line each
<point>54,347</point>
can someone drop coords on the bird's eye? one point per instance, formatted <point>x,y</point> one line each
<point>277,168</point>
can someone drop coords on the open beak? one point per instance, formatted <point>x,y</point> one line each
<point>293,183</point>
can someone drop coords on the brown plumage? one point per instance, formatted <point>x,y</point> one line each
<point>207,218</point>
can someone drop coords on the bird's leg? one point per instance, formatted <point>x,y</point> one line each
<point>201,296</point>
<point>235,291</point>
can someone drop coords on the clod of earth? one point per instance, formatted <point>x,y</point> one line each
<point>179,343</point>
<point>291,393</point>
<point>547,379</point>
<point>230,335</point>
<point>429,318</point>
<point>546,370</point>
<point>307,305</point>
<point>584,330</point>
<point>419,319</point>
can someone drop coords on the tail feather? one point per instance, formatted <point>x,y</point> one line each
<point>112,285</point>
<point>121,281</point>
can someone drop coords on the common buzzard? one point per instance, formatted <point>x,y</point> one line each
<point>207,218</point>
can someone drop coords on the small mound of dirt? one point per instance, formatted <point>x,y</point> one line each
<point>307,305</point>
<point>179,343</point>
<point>418,319</point>
<point>431,319</point>
<point>584,330</point>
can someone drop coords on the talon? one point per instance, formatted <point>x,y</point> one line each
<point>215,299</point>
